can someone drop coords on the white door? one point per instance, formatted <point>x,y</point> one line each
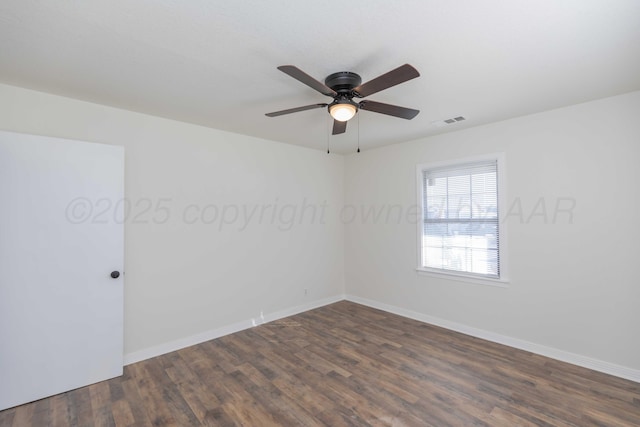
<point>61,237</point>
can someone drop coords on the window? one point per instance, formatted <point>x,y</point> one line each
<point>460,232</point>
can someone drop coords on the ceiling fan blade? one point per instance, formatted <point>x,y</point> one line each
<point>295,110</point>
<point>339,127</point>
<point>394,77</point>
<point>391,110</point>
<point>305,78</point>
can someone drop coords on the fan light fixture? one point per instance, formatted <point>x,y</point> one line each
<point>342,111</point>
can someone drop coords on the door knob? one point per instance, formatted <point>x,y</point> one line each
<point>115,274</point>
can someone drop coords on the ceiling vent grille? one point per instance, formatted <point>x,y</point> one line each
<point>447,122</point>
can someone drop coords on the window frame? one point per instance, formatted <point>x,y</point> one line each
<point>501,281</point>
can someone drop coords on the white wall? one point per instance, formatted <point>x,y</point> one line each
<point>574,286</point>
<point>186,276</point>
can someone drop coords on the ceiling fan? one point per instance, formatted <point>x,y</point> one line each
<point>343,86</point>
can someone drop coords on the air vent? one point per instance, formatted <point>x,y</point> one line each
<point>447,122</point>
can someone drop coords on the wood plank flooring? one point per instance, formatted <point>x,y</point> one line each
<point>344,365</point>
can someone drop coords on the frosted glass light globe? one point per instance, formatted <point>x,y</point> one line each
<point>342,112</point>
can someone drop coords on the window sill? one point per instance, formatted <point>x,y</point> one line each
<point>501,283</point>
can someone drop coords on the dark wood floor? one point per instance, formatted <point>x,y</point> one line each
<point>344,365</point>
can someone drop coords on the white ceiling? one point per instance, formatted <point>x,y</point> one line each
<point>213,62</point>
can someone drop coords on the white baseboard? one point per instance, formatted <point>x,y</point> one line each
<point>553,353</point>
<point>148,353</point>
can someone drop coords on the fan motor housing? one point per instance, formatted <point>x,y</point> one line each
<point>343,81</point>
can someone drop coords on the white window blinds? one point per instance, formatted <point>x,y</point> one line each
<point>460,230</point>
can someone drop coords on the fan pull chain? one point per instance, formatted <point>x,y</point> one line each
<point>358,133</point>
<point>328,135</point>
